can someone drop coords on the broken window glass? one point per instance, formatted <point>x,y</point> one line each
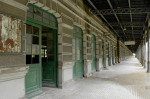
<point>10,34</point>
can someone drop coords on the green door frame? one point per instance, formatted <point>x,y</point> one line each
<point>33,90</point>
<point>93,43</point>
<point>53,24</point>
<point>50,80</point>
<point>78,69</point>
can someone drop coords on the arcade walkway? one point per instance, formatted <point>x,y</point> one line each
<point>126,80</point>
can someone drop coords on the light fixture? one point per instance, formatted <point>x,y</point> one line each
<point>124,29</point>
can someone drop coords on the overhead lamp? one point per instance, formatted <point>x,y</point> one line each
<point>124,29</point>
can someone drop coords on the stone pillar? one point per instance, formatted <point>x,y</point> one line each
<point>97,54</point>
<point>87,54</point>
<point>145,54</point>
<point>118,51</point>
<point>104,53</point>
<point>113,55</point>
<point>142,44</point>
<point>100,56</point>
<point>110,54</point>
<point>148,33</point>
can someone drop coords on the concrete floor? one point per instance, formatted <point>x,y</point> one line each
<point>127,80</point>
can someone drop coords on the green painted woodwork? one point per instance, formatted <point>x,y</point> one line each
<point>41,16</point>
<point>33,80</point>
<point>78,52</point>
<point>49,58</point>
<point>93,43</point>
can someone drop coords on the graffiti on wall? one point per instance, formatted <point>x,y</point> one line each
<point>10,34</point>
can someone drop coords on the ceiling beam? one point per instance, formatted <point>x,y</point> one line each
<point>128,24</point>
<point>115,15</point>
<point>127,31</point>
<point>130,35</point>
<point>89,1</point>
<point>129,2</point>
<point>122,11</point>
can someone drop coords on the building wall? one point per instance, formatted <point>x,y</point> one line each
<point>13,66</point>
<point>68,13</point>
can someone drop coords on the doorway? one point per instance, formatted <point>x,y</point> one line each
<point>33,82</point>
<point>78,52</point>
<point>41,50</point>
<point>49,57</point>
<point>93,43</point>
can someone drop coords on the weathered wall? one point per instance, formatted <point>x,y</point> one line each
<point>68,13</point>
<point>13,66</point>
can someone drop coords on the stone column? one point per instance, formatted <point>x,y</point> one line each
<point>148,33</point>
<point>97,54</point>
<point>104,53</point>
<point>113,56</point>
<point>100,56</point>
<point>110,54</point>
<point>118,51</point>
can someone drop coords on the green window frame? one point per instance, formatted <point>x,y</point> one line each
<point>41,16</point>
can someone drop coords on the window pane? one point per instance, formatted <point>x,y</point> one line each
<point>29,14</point>
<point>35,49</point>
<point>46,15</point>
<point>35,59</point>
<point>38,17</point>
<point>28,29</point>
<point>50,58</point>
<point>38,14</point>
<point>46,21</point>
<point>28,59</point>
<point>35,31</point>
<point>28,44</point>
<point>35,40</point>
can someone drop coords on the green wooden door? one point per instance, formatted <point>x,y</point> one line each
<point>49,58</point>
<point>78,52</point>
<point>33,78</point>
<point>93,43</point>
<point>38,19</point>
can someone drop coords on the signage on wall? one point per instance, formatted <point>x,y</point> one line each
<point>129,42</point>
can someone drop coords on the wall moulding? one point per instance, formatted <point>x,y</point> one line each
<point>12,72</point>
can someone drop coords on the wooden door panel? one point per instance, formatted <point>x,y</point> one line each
<point>33,78</point>
<point>78,53</point>
<point>49,64</point>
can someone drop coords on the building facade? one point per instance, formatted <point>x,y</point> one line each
<point>50,43</point>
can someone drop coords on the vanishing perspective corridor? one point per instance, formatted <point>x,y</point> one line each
<point>74,49</point>
<point>126,80</point>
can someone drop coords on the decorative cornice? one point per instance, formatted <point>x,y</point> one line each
<point>15,4</point>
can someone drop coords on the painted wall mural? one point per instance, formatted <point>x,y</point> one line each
<point>10,34</point>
